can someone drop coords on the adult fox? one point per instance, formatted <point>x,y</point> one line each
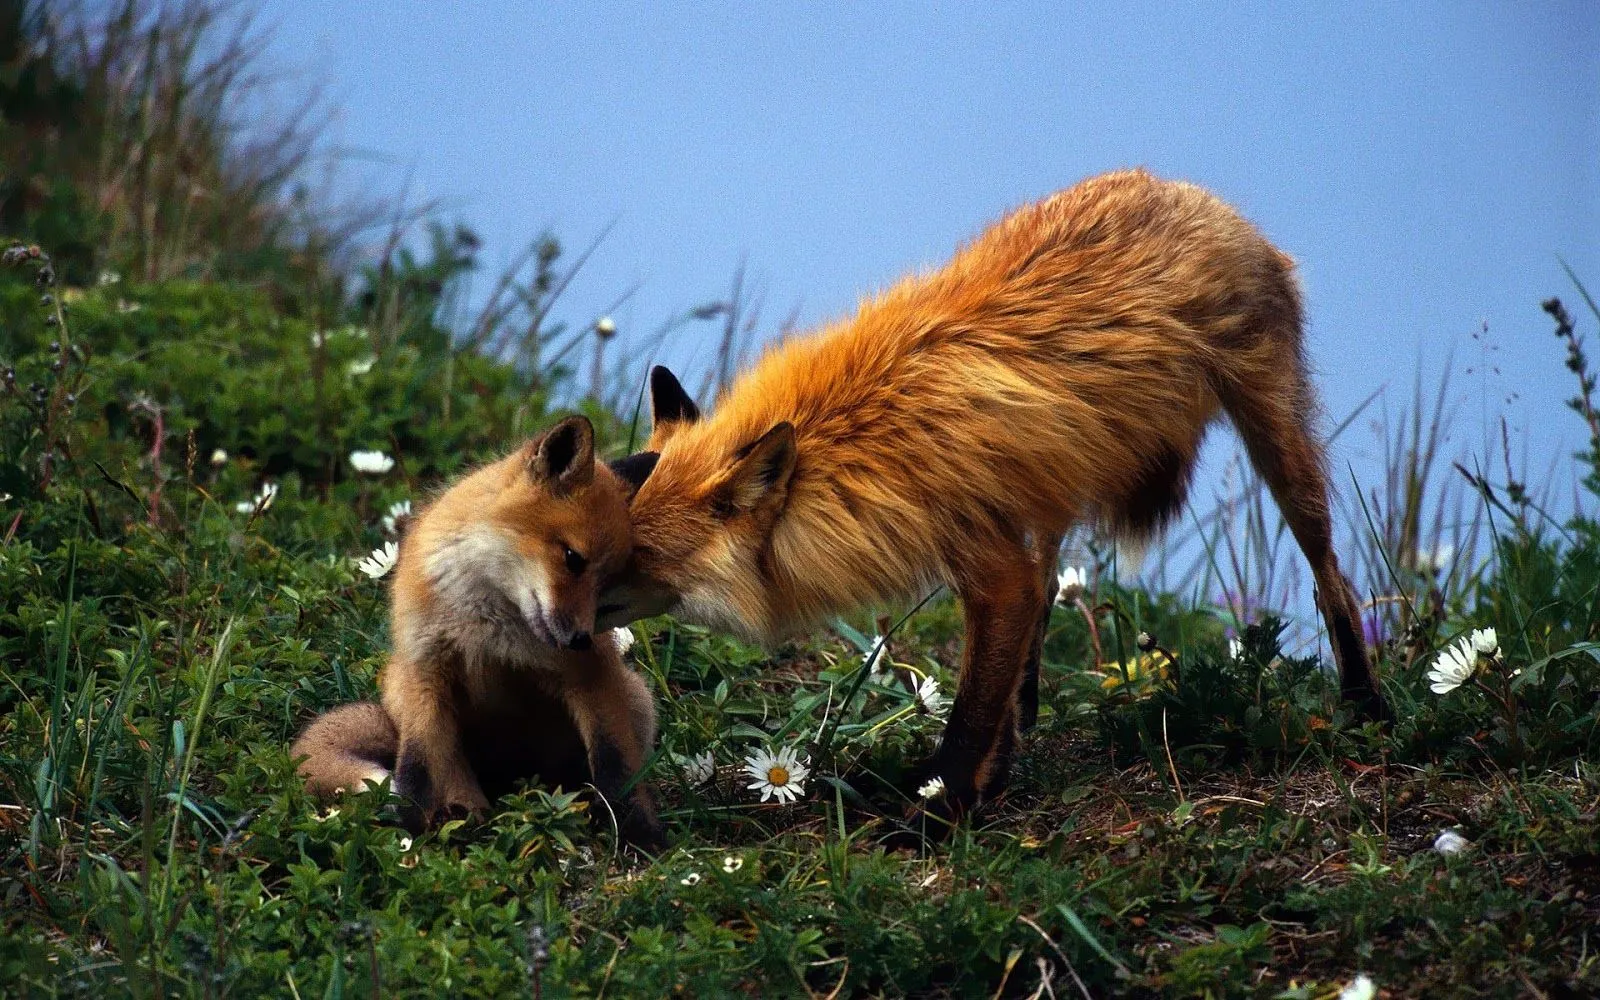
<point>497,673</point>
<point>1064,367</point>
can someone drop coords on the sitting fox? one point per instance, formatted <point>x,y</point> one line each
<point>1063,368</point>
<point>497,673</point>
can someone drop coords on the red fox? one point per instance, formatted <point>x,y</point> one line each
<point>1063,368</point>
<point>497,673</point>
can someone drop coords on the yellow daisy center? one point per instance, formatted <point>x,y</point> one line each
<point>777,775</point>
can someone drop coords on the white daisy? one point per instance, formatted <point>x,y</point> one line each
<point>381,561</point>
<point>1453,667</point>
<point>928,695</point>
<point>732,863</point>
<point>1450,842</point>
<point>1485,643</point>
<point>396,512</point>
<point>932,788</point>
<point>693,878</point>
<point>262,500</point>
<point>361,366</point>
<point>1070,584</point>
<point>219,457</point>
<point>108,278</point>
<point>877,657</point>
<point>1360,988</point>
<point>700,768</point>
<point>624,638</point>
<point>374,463</point>
<point>1436,561</point>
<point>781,775</point>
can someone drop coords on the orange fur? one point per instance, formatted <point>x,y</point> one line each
<point>475,696</point>
<point>1063,367</point>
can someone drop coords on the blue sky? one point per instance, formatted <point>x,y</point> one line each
<point>1428,164</point>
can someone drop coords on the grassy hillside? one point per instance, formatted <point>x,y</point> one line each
<point>1208,823</point>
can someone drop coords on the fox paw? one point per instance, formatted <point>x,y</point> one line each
<point>927,819</point>
<point>921,830</point>
<point>1369,705</point>
<point>462,803</point>
<point>929,790</point>
<point>644,833</point>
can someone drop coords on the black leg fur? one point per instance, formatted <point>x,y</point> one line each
<point>636,823</point>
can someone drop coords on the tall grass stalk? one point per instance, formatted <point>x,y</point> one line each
<point>189,743</point>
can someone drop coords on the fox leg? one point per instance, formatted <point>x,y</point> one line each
<point>616,718</point>
<point>1001,598</point>
<point>431,766</point>
<point>1047,550</point>
<point>1271,418</point>
<point>344,748</point>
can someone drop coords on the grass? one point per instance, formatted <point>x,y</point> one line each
<point>1218,828</point>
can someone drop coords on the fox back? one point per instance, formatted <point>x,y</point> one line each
<point>1063,367</point>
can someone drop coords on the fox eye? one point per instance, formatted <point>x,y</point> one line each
<point>575,561</point>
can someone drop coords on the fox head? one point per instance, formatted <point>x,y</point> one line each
<point>510,559</point>
<point>702,515</point>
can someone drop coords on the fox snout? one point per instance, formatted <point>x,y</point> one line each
<point>564,630</point>
<point>564,633</point>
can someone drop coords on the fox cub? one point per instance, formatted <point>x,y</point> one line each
<point>1063,368</point>
<point>497,673</point>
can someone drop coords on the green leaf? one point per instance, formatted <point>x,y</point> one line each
<point>1082,930</point>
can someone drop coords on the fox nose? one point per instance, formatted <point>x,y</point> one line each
<point>580,641</point>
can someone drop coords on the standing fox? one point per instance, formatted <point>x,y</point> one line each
<point>1064,367</point>
<point>497,673</point>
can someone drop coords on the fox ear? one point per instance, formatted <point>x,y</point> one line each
<point>563,459</point>
<point>635,469</point>
<point>761,472</point>
<point>670,406</point>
